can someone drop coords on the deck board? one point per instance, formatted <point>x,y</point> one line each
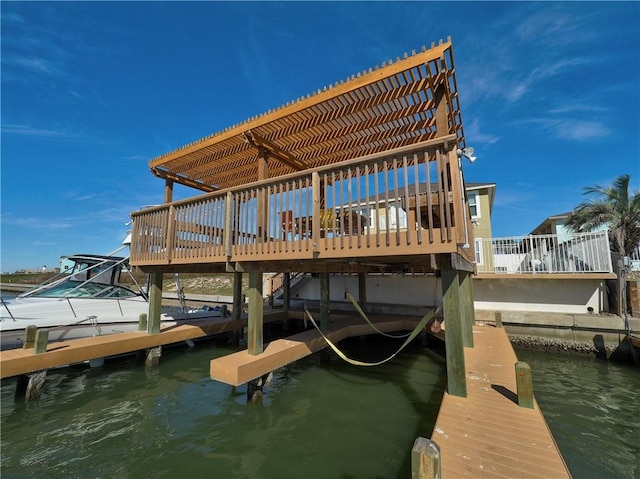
<point>486,434</point>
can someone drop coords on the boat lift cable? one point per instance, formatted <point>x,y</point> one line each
<point>419,327</point>
<point>362,313</point>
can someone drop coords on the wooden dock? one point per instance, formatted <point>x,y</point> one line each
<point>15,362</point>
<point>486,434</point>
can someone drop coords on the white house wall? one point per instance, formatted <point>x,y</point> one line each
<point>540,295</point>
<point>508,294</point>
<point>406,290</point>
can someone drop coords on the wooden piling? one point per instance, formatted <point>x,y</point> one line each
<point>42,339</point>
<point>153,356</point>
<point>142,322</point>
<point>467,314</point>
<point>155,303</point>
<point>456,372</point>
<point>237,296</point>
<point>425,460</point>
<point>255,343</point>
<point>524,385</point>
<point>325,300</point>
<point>362,291</point>
<point>286,287</point>
<point>498,316</point>
<point>29,337</point>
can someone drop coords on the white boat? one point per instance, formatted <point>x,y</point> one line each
<point>86,299</point>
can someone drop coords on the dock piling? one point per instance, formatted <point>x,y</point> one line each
<point>41,341</point>
<point>524,385</point>
<point>142,322</point>
<point>425,459</point>
<point>29,337</point>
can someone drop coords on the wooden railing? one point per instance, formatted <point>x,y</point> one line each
<point>404,202</point>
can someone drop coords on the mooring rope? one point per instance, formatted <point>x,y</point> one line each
<point>362,313</point>
<point>420,326</point>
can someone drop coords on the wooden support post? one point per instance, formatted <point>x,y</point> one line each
<point>155,303</point>
<point>30,385</point>
<point>142,322</point>
<point>362,291</point>
<point>29,337</point>
<point>237,296</point>
<point>255,344</point>
<point>466,308</point>
<point>42,338</point>
<point>425,460</point>
<point>153,356</point>
<point>255,387</point>
<point>456,371</point>
<point>524,384</point>
<point>498,315</point>
<point>325,301</point>
<point>286,287</point>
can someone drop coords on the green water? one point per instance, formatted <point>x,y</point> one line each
<point>592,407</point>
<point>316,420</point>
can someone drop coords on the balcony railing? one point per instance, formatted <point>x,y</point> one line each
<point>405,202</point>
<point>564,253</point>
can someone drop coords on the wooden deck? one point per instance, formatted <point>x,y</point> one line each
<point>15,362</point>
<point>486,434</point>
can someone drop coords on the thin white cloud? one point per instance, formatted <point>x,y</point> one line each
<point>26,130</point>
<point>474,135</point>
<point>580,130</point>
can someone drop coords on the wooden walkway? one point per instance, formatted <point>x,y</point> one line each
<point>486,434</point>
<point>15,362</point>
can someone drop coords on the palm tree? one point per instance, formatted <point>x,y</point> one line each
<point>614,207</point>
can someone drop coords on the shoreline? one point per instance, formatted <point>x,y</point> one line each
<point>597,349</point>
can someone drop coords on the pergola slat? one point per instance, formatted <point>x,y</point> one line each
<point>386,107</point>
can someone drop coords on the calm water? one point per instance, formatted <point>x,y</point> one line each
<point>316,420</point>
<point>593,410</point>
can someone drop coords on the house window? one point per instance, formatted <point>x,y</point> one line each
<point>479,255</point>
<point>474,205</point>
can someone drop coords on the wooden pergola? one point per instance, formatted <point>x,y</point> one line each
<point>403,102</point>
<point>360,175</point>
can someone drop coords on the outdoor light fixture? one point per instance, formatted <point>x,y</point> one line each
<point>467,153</point>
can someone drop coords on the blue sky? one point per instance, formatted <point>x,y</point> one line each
<point>91,91</point>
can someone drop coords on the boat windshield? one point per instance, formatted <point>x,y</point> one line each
<point>75,289</point>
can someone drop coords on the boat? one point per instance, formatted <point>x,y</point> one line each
<point>92,295</point>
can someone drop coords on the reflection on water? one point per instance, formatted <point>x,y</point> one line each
<point>593,411</point>
<point>322,420</point>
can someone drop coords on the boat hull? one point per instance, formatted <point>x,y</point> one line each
<point>73,318</point>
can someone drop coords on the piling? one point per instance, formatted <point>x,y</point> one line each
<point>425,460</point>
<point>524,385</point>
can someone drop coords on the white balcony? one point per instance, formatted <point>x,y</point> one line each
<point>579,253</point>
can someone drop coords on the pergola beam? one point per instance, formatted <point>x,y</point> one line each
<point>275,151</point>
